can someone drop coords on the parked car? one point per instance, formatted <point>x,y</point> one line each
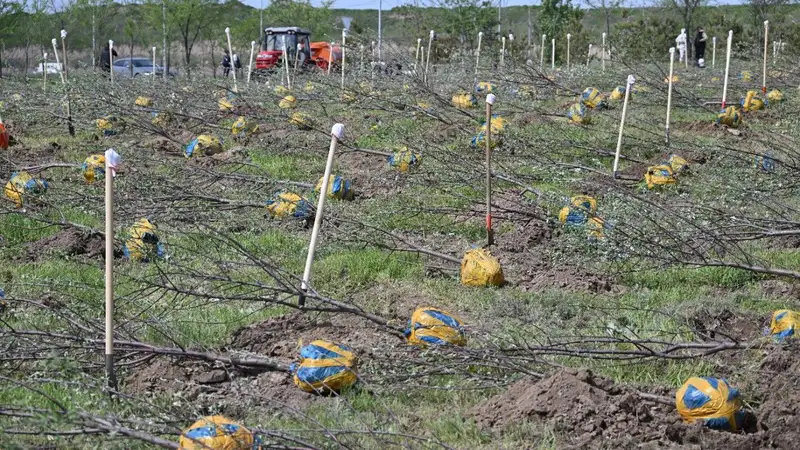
<point>141,66</point>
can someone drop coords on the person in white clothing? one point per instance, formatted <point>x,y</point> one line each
<point>680,42</point>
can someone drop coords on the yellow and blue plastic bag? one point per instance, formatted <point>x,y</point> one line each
<point>22,184</point>
<point>593,98</point>
<point>677,163</point>
<point>94,168</point>
<point>764,162</point>
<point>288,102</point>
<point>217,433</point>
<point>485,87</point>
<point>403,159</point>
<point>498,124</point>
<point>659,176</point>
<point>785,323</point>
<point>775,96</point>
<point>577,114</point>
<point>325,367</point>
<point>301,121</point>
<point>751,103</point>
<point>289,204</point>
<point>109,125</point>
<point>618,93</point>
<point>143,242</point>
<point>711,401</point>
<point>204,144</point>
<point>730,116</point>
<point>432,326</point>
<point>145,102</point>
<point>746,75</point>
<point>243,127</point>
<point>578,211</point>
<point>480,268</point>
<point>464,101</point>
<point>338,188</point>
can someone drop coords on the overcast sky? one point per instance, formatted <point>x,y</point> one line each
<point>387,4</point>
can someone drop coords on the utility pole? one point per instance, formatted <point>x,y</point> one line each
<point>380,31</point>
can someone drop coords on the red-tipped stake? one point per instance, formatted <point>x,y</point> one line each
<point>337,132</point>
<point>113,160</point>
<point>490,99</point>
<point>669,90</point>
<point>631,80</point>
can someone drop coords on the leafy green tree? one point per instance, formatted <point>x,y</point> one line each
<point>557,18</point>
<point>10,13</point>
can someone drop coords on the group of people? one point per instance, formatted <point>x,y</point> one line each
<point>699,46</point>
<point>229,62</point>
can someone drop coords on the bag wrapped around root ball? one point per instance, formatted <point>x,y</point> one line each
<point>711,401</point>
<point>485,87</point>
<point>338,188</point>
<point>432,326</point>
<point>480,268</point>
<point>403,159</point>
<point>217,433</point>
<point>94,168</point>
<point>678,164</point>
<point>204,145</point>
<point>288,102</point>
<point>243,127</point>
<point>730,117</point>
<point>751,103</point>
<point>325,367</point>
<point>144,102</point>
<point>578,211</point>
<point>109,125</point>
<point>659,176</point>
<point>618,93</point>
<point>22,184</point>
<point>593,98</point>
<point>577,113</point>
<point>784,324</point>
<point>289,204</point>
<point>775,96</point>
<point>764,162</point>
<point>301,121</point>
<point>143,243</point>
<point>464,101</point>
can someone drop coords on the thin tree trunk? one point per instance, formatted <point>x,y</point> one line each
<point>213,59</point>
<point>164,38</point>
<point>94,37</point>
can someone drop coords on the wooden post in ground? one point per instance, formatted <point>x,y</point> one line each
<point>628,86</point>
<point>428,59</point>
<point>764,73</point>
<point>603,56</point>
<point>669,90</point>
<point>727,69</point>
<point>569,37</point>
<point>589,55</point>
<point>490,99</point>
<point>230,52</point>
<point>541,55</point>
<point>477,61</point>
<point>250,61</point>
<point>112,162</point>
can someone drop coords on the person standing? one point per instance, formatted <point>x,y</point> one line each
<point>700,46</point>
<point>105,58</point>
<point>226,63</point>
<point>237,64</point>
<point>680,42</point>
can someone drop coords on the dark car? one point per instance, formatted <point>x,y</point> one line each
<point>141,66</point>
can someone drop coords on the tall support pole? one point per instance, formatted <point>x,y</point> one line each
<point>589,55</point>
<point>164,39</point>
<point>58,63</point>
<point>416,57</point>
<point>603,55</point>
<point>714,52</point>
<point>541,55</point>
<point>64,49</point>
<point>337,132</point>
<point>344,44</point>
<point>490,99</point>
<point>112,161</point>
<point>727,69</point>
<point>477,61</point>
<point>669,91</point>
<point>503,52</point>
<point>153,75</point>
<point>111,59</point>
<point>44,72</point>
<point>230,52</point>
<point>628,87</point>
<point>553,55</point>
<point>569,37</point>
<point>250,63</point>
<point>428,58</point>
<point>764,73</point>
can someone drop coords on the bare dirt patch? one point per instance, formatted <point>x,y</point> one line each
<point>67,242</point>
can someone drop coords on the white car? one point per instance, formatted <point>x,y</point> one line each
<point>50,67</point>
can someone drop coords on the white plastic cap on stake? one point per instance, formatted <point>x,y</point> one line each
<point>569,36</point>
<point>54,41</point>
<point>510,37</point>
<point>766,22</point>
<point>490,99</point>
<point>114,160</point>
<point>419,40</point>
<point>432,34</point>
<point>631,79</point>
<point>337,131</point>
<point>45,55</point>
<point>227,30</point>
<point>110,43</point>
<point>480,33</point>
<point>672,50</point>
<point>63,34</point>
<point>253,43</point>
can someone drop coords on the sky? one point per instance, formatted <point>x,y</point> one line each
<point>387,4</point>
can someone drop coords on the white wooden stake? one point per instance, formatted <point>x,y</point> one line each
<point>44,72</point>
<point>286,66</point>
<point>541,55</point>
<point>112,162</point>
<point>250,62</point>
<point>669,90</point>
<point>477,61</point>
<point>230,52</point>
<point>154,65</point>
<point>603,56</point>
<point>727,69</point>
<point>330,58</point>
<point>631,80</point>
<point>111,58</point>
<point>362,59</point>
<point>764,74</point>
<point>344,43</point>
<point>589,55</point>
<point>416,56</point>
<point>428,59</point>
<point>64,49</point>
<point>503,52</point>
<point>490,99</point>
<point>337,132</point>
<point>714,52</point>
<point>569,36</point>
<point>510,45</point>
<point>553,55</point>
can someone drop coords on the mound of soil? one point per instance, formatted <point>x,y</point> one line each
<point>370,174</point>
<point>68,242</point>
<point>725,324</point>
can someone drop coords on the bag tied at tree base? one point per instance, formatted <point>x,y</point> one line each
<point>712,401</point>
<point>21,184</point>
<point>325,367</point>
<point>729,117</point>
<point>289,204</point>
<point>596,227</point>
<point>338,188</point>
<point>403,159</point>
<point>464,101</point>
<point>94,168</point>
<point>242,127</point>
<point>217,433</point>
<point>287,102</point>
<point>348,97</point>
<point>110,125</point>
<point>775,96</point>
<point>577,114</point>
<point>160,119</point>
<point>764,162</point>
<point>593,98</point>
<point>578,211</point>
<point>498,124</point>
<point>485,87</point>
<point>746,75</point>
<point>144,102</point>
<point>204,145</point>
<point>677,163</point>
<point>676,79</point>
<point>784,323</point>
<point>432,326</point>
<point>225,105</point>
<point>659,176</point>
<point>480,268</point>
<point>618,93</point>
<point>751,103</point>
<point>143,242</point>
<point>5,138</point>
<point>301,121</point>
<point>478,141</point>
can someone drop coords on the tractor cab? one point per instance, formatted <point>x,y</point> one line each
<point>278,39</point>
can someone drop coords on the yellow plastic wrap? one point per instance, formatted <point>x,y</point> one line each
<point>746,75</point>
<point>143,101</point>
<point>581,207</point>
<point>225,105</point>
<point>301,121</point>
<point>338,188</point>
<point>659,176</point>
<point>618,93</point>
<point>216,433</point>
<point>577,114</point>
<point>325,367</point>
<point>288,204</point>
<point>751,103</point>
<point>775,96</point>
<point>403,159</point>
<point>676,79</point>
<point>593,98</point>
<point>464,101</point>
<point>785,323</point>
<point>498,124</point>
<point>730,117</point>
<point>21,184</point>
<point>288,102</point>
<point>243,127</point>
<point>710,400</point>
<point>203,145</point>
<point>143,242</point>
<point>480,268</point>
<point>94,168</point>
<point>677,163</point>
<point>485,87</point>
<point>434,326</point>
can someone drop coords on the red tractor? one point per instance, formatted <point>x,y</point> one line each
<point>300,51</point>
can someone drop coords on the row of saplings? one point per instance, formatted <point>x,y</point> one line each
<point>326,368</point>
